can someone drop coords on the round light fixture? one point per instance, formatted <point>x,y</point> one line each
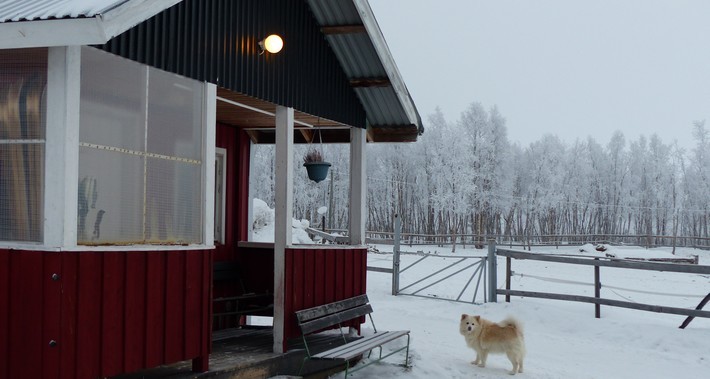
<point>273,44</point>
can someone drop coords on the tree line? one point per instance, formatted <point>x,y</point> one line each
<point>465,177</point>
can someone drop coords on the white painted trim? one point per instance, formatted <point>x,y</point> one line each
<point>222,185</point>
<point>54,147</point>
<point>283,215</point>
<point>95,30</point>
<point>62,148</point>
<point>208,147</point>
<point>257,110</point>
<point>80,248</point>
<point>77,31</point>
<point>358,186</point>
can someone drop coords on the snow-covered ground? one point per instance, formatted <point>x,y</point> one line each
<point>563,339</point>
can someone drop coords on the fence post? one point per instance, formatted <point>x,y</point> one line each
<point>395,255</point>
<point>508,274</point>
<point>492,269</point>
<point>597,291</point>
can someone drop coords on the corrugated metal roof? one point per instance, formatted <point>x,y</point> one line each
<point>27,10</point>
<point>362,53</point>
<point>366,55</point>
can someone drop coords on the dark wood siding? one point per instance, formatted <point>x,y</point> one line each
<point>109,312</point>
<point>216,41</point>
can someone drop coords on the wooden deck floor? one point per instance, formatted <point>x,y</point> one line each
<point>247,353</point>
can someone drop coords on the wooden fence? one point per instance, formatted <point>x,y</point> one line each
<point>597,263</point>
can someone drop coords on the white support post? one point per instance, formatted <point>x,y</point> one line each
<point>61,184</point>
<point>209,145</point>
<point>283,216</point>
<point>358,186</point>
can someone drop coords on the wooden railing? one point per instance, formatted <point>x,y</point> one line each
<point>597,263</point>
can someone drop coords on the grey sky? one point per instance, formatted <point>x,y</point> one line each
<point>563,67</point>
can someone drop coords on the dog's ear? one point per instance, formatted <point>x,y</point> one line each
<point>478,318</point>
<point>463,316</point>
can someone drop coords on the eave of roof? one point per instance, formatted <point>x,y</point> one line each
<point>73,23</point>
<point>15,10</point>
<point>357,40</point>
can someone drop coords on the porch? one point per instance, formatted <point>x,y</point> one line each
<point>248,353</point>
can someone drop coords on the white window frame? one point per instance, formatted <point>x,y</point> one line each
<point>62,161</point>
<point>220,189</point>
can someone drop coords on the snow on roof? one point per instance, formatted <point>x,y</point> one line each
<point>27,10</point>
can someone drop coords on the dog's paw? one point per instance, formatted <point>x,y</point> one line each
<point>512,372</point>
<point>481,364</point>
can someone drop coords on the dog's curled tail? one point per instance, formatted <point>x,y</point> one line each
<point>515,323</point>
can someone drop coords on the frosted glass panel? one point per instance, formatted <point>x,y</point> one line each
<point>141,154</point>
<point>112,100</point>
<point>173,194</point>
<point>23,78</point>
<point>175,109</point>
<point>110,209</point>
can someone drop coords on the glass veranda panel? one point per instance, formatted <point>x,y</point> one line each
<point>140,154</point>
<point>23,79</point>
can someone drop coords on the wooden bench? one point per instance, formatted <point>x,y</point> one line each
<point>244,303</point>
<point>326,316</point>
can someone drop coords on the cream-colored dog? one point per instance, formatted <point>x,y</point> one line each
<point>485,337</point>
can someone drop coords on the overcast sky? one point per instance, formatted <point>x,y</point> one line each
<point>563,67</point>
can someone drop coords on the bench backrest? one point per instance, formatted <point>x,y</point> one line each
<point>324,316</point>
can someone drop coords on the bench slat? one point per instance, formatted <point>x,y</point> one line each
<point>334,319</point>
<point>328,309</point>
<point>358,347</point>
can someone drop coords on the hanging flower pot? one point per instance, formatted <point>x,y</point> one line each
<point>317,171</point>
<point>315,165</point>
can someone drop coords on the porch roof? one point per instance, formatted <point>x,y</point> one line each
<point>349,26</point>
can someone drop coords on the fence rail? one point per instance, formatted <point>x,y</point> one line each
<point>644,240</point>
<point>599,262</point>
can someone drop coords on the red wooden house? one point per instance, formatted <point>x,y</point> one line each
<point>115,116</point>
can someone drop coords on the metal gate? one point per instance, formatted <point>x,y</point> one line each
<point>450,277</point>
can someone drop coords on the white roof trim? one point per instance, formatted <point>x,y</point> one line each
<point>80,31</point>
<point>378,41</point>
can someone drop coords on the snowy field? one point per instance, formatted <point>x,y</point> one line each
<point>563,339</point>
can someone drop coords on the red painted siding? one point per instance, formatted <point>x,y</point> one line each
<point>109,312</point>
<point>319,276</point>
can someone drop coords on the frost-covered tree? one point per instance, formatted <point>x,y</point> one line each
<point>697,183</point>
<point>464,178</point>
